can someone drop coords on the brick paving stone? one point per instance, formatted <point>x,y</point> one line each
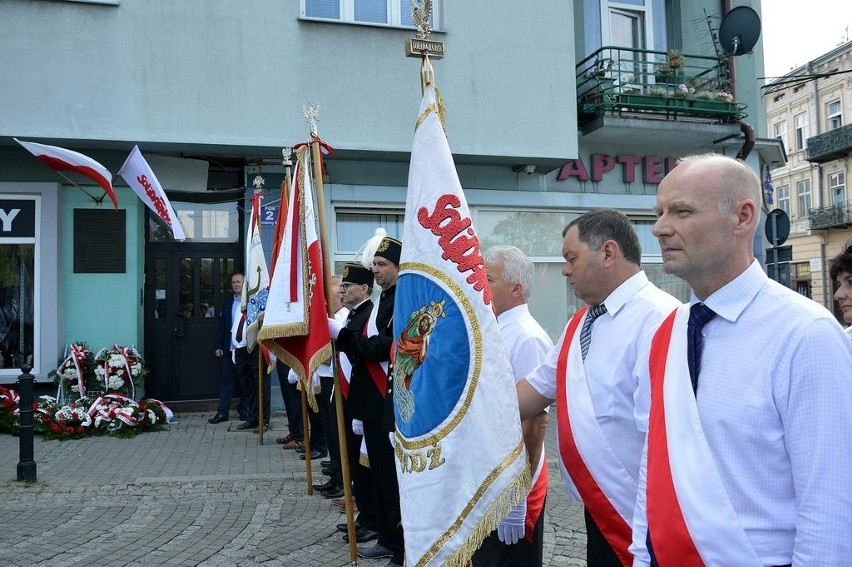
<point>197,494</point>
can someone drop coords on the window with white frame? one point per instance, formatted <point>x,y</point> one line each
<point>833,115</point>
<point>783,193</point>
<point>781,132</point>
<point>801,122</point>
<point>803,192</point>
<point>837,188</point>
<point>377,12</point>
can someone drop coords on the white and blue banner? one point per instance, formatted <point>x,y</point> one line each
<point>460,457</point>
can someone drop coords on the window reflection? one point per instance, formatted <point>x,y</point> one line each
<point>201,222</point>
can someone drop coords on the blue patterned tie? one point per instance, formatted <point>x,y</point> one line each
<point>699,315</point>
<point>586,331</point>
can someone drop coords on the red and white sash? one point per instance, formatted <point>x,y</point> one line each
<point>345,368</point>
<point>690,516</point>
<point>378,370</point>
<point>535,498</point>
<point>606,487</point>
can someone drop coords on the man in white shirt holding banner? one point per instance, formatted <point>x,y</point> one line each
<point>519,538</point>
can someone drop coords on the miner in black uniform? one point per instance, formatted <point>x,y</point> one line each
<point>367,394</point>
<point>355,290</point>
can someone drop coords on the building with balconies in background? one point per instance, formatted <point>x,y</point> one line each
<point>808,109</point>
<point>545,117</point>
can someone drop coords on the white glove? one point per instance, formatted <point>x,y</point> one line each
<point>357,427</point>
<point>292,377</point>
<point>315,381</point>
<point>392,438</point>
<point>511,529</point>
<point>334,327</point>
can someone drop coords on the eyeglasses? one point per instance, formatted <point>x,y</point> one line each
<point>345,286</point>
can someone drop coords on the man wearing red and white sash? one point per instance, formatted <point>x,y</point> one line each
<point>355,291</point>
<point>519,538</point>
<point>367,399</point>
<point>599,443</point>
<point>749,388</point>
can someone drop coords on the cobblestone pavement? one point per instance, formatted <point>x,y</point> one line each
<point>197,494</point>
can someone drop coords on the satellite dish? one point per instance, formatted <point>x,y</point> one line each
<point>739,31</point>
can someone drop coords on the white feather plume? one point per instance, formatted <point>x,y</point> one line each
<point>368,249</point>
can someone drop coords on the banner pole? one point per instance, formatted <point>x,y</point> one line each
<point>260,415</point>
<point>307,443</point>
<point>316,158</point>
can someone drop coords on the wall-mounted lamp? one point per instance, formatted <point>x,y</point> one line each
<point>529,168</point>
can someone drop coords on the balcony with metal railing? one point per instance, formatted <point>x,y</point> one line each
<point>830,145</point>
<point>653,85</point>
<point>837,215</point>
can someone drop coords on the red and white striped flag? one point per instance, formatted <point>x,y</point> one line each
<point>295,324</point>
<point>60,159</point>
<point>140,177</point>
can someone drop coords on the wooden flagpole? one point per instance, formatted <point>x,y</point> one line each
<point>311,113</point>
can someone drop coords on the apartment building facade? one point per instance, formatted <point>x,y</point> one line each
<point>542,118</point>
<point>808,109</point>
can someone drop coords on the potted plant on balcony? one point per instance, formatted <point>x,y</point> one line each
<point>669,70</point>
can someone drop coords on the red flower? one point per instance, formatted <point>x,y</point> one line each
<point>69,429</point>
<point>80,429</point>
<point>55,428</point>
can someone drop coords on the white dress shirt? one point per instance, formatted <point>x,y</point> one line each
<point>775,404</point>
<point>526,342</point>
<point>632,310</point>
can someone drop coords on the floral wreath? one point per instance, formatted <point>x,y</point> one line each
<point>76,373</point>
<point>116,367</point>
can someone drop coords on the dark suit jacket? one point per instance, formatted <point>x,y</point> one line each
<point>365,401</point>
<point>226,322</point>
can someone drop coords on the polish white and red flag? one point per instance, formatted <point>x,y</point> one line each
<point>59,159</point>
<point>140,177</point>
<point>295,326</point>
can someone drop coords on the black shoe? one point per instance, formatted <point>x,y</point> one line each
<point>246,425</point>
<point>265,428</point>
<point>218,418</point>
<point>362,535</point>
<point>330,483</point>
<point>325,463</point>
<point>375,552</point>
<point>345,528</point>
<point>336,492</point>
<point>315,455</point>
<point>300,449</point>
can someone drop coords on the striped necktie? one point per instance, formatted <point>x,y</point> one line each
<point>699,315</point>
<point>586,332</point>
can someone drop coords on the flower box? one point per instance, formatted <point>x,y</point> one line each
<point>642,101</point>
<point>677,103</point>
<point>713,107</point>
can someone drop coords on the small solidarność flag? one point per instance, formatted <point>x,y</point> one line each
<point>140,177</point>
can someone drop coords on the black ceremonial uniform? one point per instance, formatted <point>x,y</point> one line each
<point>367,403</point>
<point>364,497</point>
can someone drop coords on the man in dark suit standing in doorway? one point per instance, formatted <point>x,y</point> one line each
<point>224,349</point>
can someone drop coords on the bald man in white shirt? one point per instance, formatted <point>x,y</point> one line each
<point>749,427</point>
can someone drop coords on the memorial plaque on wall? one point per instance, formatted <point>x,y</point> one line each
<point>99,241</point>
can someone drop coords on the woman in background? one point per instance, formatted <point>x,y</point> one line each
<point>841,275</point>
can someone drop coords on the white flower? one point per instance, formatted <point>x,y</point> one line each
<point>115,383</point>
